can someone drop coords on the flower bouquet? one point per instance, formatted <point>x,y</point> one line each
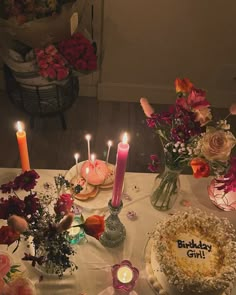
<point>44,223</point>
<point>190,137</point>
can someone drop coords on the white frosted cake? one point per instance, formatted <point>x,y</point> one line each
<point>191,253</point>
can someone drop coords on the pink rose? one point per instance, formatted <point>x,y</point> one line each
<point>43,64</point>
<point>64,204</point>
<point>5,264</point>
<point>51,50</point>
<point>20,286</point>
<point>148,110</point>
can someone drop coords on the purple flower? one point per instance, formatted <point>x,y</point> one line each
<point>154,165</point>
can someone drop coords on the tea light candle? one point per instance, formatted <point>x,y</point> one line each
<point>124,274</point>
<point>88,138</point>
<point>22,145</point>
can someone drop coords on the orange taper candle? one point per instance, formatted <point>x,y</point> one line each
<point>23,149</point>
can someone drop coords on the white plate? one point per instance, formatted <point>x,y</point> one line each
<point>99,202</point>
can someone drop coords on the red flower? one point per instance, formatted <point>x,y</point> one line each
<point>62,73</point>
<point>64,204</point>
<point>94,226</point>
<point>32,204</point>
<point>8,236</point>
<point>51,73</point>
<point>27,180</point>
<point>4,212</point>
<point>197,99</point>
<point>200,168</point>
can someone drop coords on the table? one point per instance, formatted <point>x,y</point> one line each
<point>95,261</point>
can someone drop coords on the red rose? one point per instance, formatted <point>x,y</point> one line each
<point>94,226</point>
<point>200,168</point>
<point>64,204</point>
<point>62,73</point>
<point>51,73</point>
<point>8,236</point>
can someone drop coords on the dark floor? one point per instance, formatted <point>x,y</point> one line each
<point>51,147</point>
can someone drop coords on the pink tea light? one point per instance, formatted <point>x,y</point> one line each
<point>124,276</point>
<point>121,160</point>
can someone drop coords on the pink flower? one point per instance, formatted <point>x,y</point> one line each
<point>43,64</point>
<point>51,49</point>
<point>148,110</point>
<point>51,73</point>
<point>5,265</point>
<point>232,109</point>
<point>197,99</point>
<point>20,286</point>
<point>64,204</point>
<point>62,73</point>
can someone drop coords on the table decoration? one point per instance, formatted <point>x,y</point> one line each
<point>115,232</point>
<point>97,201</point>
<point>109,144</point>
<point>44,225</point>
<point>189,137</point>
<point>88,138</point>
<point>22,145</point>
<point>124,276</point>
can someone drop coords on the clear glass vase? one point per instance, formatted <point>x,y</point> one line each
<point>166,189</point>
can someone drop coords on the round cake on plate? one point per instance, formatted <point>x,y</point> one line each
<point>191,253</point>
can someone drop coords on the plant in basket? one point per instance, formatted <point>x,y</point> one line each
<point>44,221</point>
<point>76,54</point>
<point>190,137</point>
<point>26,10</point>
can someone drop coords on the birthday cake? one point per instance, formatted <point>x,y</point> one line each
<point>99,173</point>
<point>191,253</point>
<point>86,191</point>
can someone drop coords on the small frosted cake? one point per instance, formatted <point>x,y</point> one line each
<point>98,172</point>
<point>109,180</point>
<point>192,253</point>
<point>88,191</point>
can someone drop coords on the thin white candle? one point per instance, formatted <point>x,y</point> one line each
<point>87,173</point>
<point>88,138</point>
<point>76,164</point>
<point>109,143</point>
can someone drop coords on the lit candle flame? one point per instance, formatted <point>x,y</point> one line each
<point>125,138</point>
<point>19,126</point>
<point>87,170</point>
<point>93,157</point>
<point>88,137</point>
<point>109,143</point>
<point>76,155</point>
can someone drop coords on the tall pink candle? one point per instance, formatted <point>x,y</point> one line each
<point>121,160</point>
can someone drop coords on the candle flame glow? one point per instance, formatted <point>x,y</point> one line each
<point>109,143</point>
<point>125,138</point>
<point>19,126</point>
<point>76,155</point>
<point>88,137</point>
<point>87,170</point>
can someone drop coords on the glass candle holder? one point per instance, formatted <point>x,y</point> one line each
<point>124,276</point>
<point>77,234</point>
<point>115,232</point>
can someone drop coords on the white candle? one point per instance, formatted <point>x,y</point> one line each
<point>125,274</point>
<point>93,158</point>
<point>88,138</point>
<point>109,143</point>
<point>76,163</point>
<point>87,172</point>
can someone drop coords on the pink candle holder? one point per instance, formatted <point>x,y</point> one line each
<point>124,276</point>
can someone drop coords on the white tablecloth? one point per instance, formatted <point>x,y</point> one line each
<point>94,261</point>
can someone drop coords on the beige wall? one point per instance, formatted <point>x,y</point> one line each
<point>149,43</point>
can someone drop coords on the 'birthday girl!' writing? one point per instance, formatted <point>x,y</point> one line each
<point>193,245</point>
